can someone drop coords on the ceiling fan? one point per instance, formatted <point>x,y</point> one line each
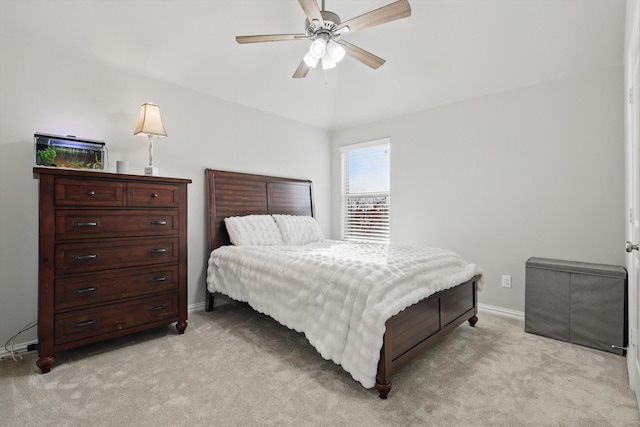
<point>325,30</point>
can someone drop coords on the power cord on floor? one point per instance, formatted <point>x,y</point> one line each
<point>12,353</point>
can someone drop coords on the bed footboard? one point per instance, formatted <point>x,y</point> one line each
<point>421,325</point>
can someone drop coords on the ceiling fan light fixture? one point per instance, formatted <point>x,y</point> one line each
<point>328,62</point>
<point>335,51</point>
<point>324,30</point>
<point>311,60</point>
<point>318,47</point>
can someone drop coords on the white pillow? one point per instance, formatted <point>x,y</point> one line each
<point>253,230</point>
<point>298,230</point>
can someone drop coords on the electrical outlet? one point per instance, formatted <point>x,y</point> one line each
<point>506,281</point>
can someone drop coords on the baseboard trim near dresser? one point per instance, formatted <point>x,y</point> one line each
<point>500,311</point>
<point>199,306</point>
<point>20,348</point>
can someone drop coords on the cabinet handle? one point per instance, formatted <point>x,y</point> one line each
<point>158,222</point>
<point>85,290</point>
<point>84,257</point>
<point>86,224</point>
<point>158,307</point>
<point>91,193</point>
<point>154,195</point>
<point>85,323</point>
<point>158,251</point>
<point>158,279</point>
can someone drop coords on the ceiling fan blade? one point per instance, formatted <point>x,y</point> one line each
<point>391,12</point>
<point>301,71</point>
<point>270,38</point>
<point>367,58</point>
<point>312,10</point>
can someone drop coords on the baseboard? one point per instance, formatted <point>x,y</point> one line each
<point>18,348</point>
<point>500,311</point>
<point>199,306</point>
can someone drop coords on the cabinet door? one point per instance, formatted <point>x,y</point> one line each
<point>547,300</point>
<point>598,312</point>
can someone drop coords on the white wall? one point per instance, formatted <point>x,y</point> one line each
<point>537,171</point>
<point>45,90</point>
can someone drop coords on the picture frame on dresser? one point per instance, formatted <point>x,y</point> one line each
<point>112,257</point>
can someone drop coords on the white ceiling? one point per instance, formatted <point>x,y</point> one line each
<point>447,51</point>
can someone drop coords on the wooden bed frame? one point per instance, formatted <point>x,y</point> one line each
<point>407,334</point>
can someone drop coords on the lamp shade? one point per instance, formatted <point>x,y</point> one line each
<point>150,122</point>
<point>318,47</point>
<point>310,60</point>
<point>335,51</point>
<point>328,62</point>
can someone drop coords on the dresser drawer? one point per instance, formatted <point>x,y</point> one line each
<point>102,287</point>
<point>109,254</point>
<point>149,195</point>
<point>79,324</point>
<point>75,224</point>
<point>72,192</point>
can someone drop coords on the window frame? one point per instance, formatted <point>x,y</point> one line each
<point>344,152</point>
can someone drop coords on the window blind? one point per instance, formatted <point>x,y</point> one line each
<point>366,191</point>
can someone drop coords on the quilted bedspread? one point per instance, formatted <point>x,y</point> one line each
<point>339,294</point>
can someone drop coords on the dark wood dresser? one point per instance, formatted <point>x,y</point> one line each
<point>112,257</point>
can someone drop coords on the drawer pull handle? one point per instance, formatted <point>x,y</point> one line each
<point>154,195</point>
<point>86,224</point>
<point>158,307</point>
<point>85,323</point>
<point>84,257</point>
<point>158,222</point>
<point>85,290</point>
<point>158,279</point>
<point>91,193</point>
<point>158,251</point>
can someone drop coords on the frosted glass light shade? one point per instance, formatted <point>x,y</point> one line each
<point>318,48</point>
<point>328,62</point>
<point>335,51</point>
<point>310,60</point>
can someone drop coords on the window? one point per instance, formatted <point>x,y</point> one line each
<point>366,191</point>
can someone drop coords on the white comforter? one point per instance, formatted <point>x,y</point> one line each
<point>339,294</point>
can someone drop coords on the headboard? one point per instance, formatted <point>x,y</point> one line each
<point>235,194</point>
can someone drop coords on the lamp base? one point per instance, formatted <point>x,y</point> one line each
<point>151,171</point>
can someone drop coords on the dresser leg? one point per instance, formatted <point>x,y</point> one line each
<point>181,326</point>
<point>45,363</point>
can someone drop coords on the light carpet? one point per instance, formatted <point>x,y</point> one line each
<point>235,367</point>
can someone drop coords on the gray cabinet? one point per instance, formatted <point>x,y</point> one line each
<point>577,302</point>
